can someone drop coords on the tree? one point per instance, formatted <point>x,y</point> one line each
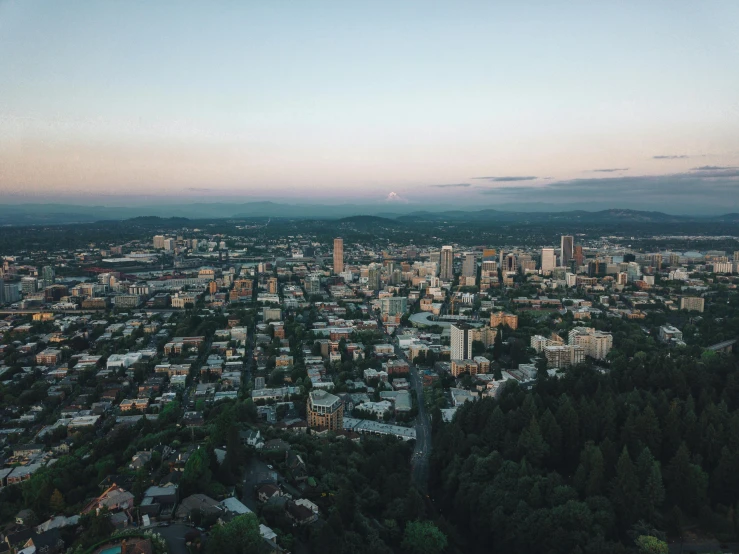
<point>625,489</point>
<point>423,537</point>
<point>651,545</point>
<point>498,345</point>
<point>56,502</point>
<point>240,536</point>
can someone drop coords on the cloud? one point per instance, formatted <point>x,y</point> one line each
<point>714,167</point>
<point>686,192</point>
<point>507,179</point>
<point>454,185</point>
<point>610,170</point>
<point>200,189</point>
<point>671,157</point>
<point>395,198</point>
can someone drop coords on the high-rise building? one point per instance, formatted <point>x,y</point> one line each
<point>548,260</point>
<point>692,303</point>
<point>461,342</point>
<point>10,293</point>
<point>338,256</point>
<point>325,411</point>
<point>510,263</point>
<point>579,256</point>
<point>596,344</point>
<point>29,285</point>
<point>159,241</point>
<point>48,275</point>
<point>373,277</point>
<point>568,249</point>
<point>446,263</point>
<point>393,305</point>
<point>736,255</point>
<point>272,285</point>
<point>469,265</point>
<point>169,245</point>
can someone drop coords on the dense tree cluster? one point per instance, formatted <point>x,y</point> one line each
<point>594,460</point>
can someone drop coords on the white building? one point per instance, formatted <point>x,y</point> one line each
<point>596,344</point>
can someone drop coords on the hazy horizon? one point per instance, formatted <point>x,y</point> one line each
<point>457,104</point>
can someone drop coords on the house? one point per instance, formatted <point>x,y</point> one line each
<point>159,501</point>
<point>268,491</point>
<point>252,437</point>
<point>234,507</point>
<point>296,466</point>
<point>300,514</point>
<point>276,445</point>
<point>140,459</point>
<point>25,517</point>
<point>200,502</point>
<point>113,499</point>
<point>49,542</point>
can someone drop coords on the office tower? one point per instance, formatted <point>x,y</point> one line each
<point>338,256</point>
<point>579,256</point>
<point>510,263</point>
<point>548,260</point>
<point>325,411</point>
<point>29,285</point>
<point>373,277</point>
<point>446,261</point>
<point>469,266</point>
<point>674,259</point>
<point>48,275</point>
<point>568,249</point>
<point>461,342</point>
<point>169,245</point>
<point>10,293</point>
<point>159,241</point>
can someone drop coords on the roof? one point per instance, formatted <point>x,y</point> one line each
<point>232,504</point>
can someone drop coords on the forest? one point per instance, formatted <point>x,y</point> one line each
<point>596,461</point>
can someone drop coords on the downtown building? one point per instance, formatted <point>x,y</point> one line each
<point>446,263</point>
<point>338,256</point>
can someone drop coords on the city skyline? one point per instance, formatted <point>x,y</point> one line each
<point>459,105</point>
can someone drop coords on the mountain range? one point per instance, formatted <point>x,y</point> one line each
<point>54,214</point>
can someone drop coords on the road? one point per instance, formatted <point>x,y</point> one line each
<point>422,450</point>
<point>175,536</point>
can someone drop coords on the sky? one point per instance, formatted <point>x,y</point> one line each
<point>468,104</point>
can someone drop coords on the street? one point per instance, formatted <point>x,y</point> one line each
<point>422,450</point>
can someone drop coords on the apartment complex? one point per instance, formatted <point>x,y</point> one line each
<point>596,344</point>
<point>564,355</point>
<point>503,318</point>
<point>692,303</point>
<point>325,411</point>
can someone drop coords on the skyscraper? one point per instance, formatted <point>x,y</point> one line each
<point>373,277</point>
<point>568,249</point>
<point>469,266</point>
<point>48,275</point>
<point>579,256</point>
<point>446,269</point>
<point>338,256</point>
<point>548,260</point>
<point>461,342</point>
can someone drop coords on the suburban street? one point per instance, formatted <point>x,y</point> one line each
<point>422,450</point>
